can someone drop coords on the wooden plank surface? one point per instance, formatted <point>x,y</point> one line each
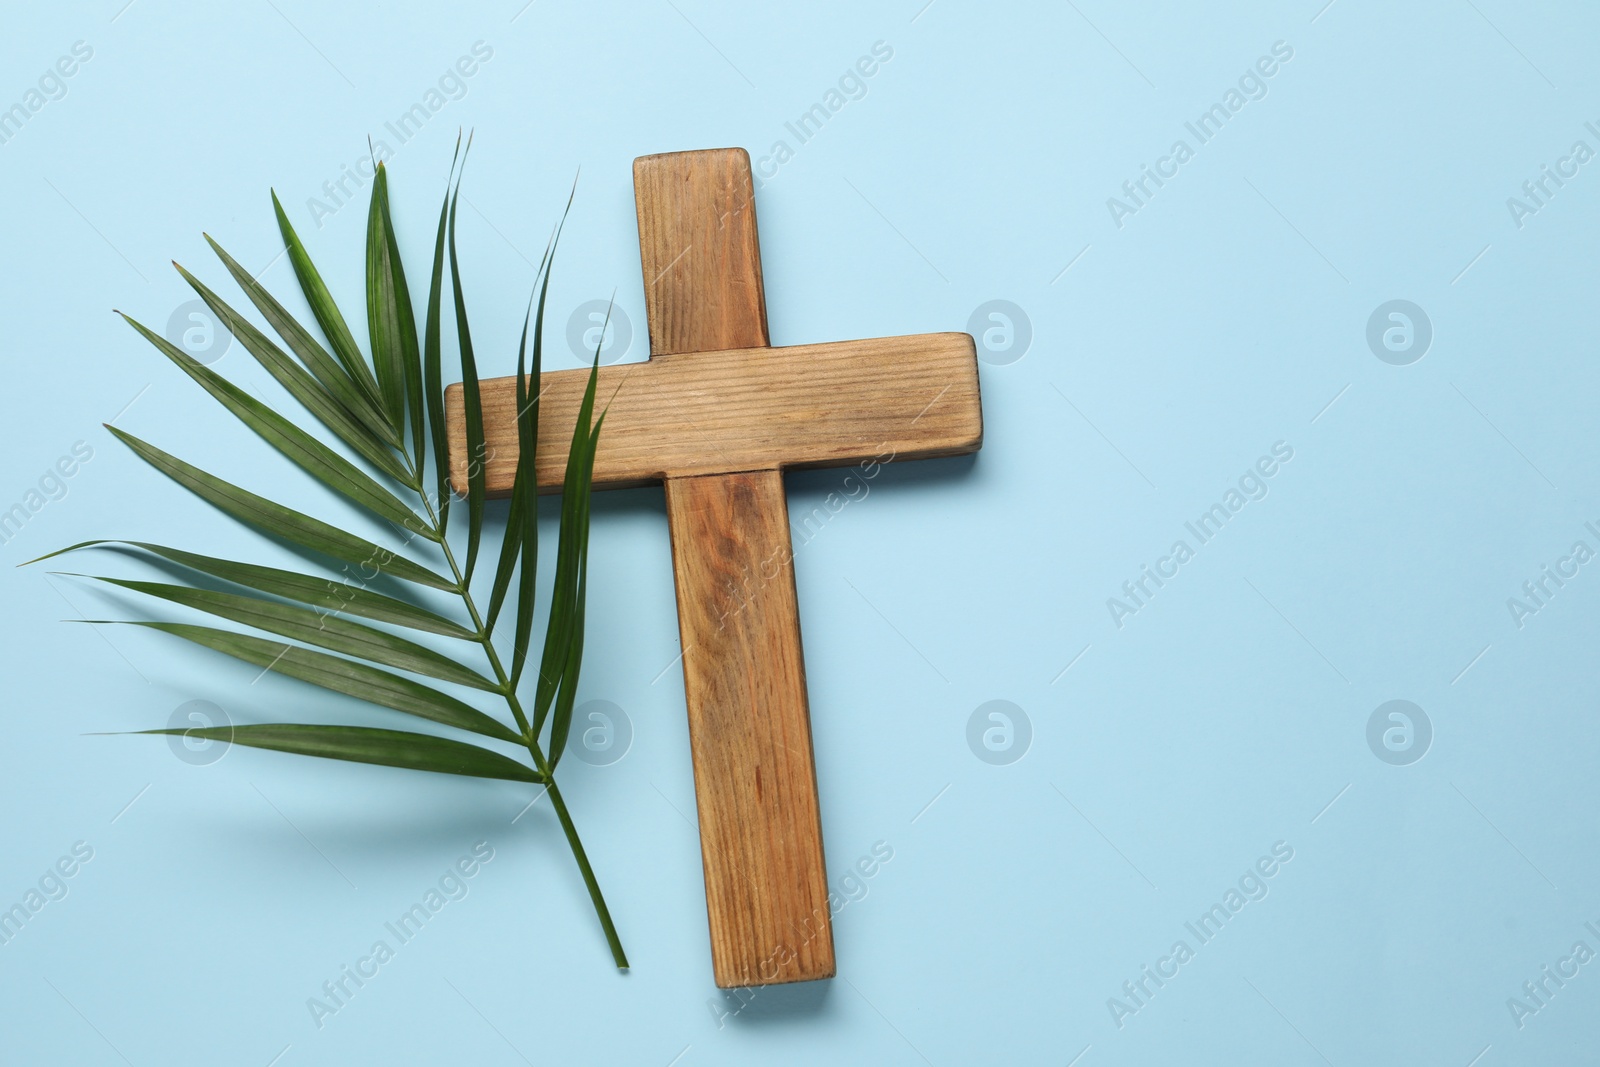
<point>745,409</point>
<point>749,727</point>
<point>700,251</point>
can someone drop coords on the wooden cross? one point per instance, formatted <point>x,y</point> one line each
<point>716,415</point>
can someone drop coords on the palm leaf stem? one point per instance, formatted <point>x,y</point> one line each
<point>535,750</point>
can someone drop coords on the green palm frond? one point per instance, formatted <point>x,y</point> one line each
<point>387,411</point>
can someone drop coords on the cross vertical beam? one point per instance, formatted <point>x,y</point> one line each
<point>738,616</point>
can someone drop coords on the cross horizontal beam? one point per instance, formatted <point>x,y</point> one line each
<point>744,409</point>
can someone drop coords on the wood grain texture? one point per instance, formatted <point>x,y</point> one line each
<point>749,729</point>
<point>743,677</point>
<point>748,409</point>
<point>700,251</point>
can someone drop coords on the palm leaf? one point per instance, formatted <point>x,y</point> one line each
<point>526,518</point>
<point>566,693</point>
<point>390,319</point>
<point>339,675</point>
<point>313,628</point>
<point>561,720</point>
<point>275,519</point>
<point>566,599</point>
<point>305,451</point>
<point>322,593</point>
<point>362,744</point>
<point>524,522</point>
<point>310,353</point>
<point>471,406</point>
<point>370,438</point>
<point>368,408</point>
<point>432,374</point>
<point>326,311</point>
<point>510,551</point>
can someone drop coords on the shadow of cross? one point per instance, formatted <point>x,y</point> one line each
<point>716,415</point>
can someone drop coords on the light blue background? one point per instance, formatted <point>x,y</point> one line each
<point>1230,713</point>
